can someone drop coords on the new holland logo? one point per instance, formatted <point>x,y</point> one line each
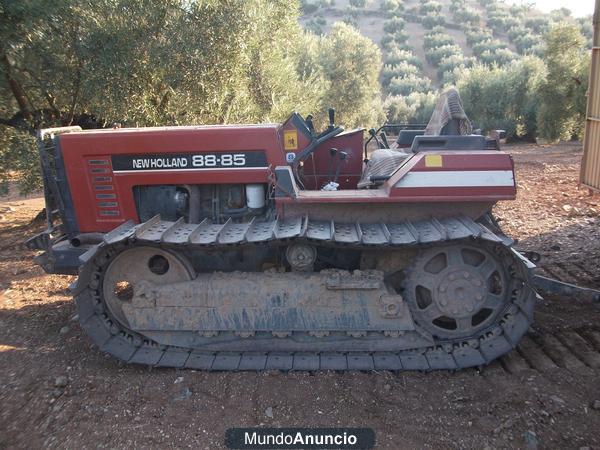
<point>189,161</point>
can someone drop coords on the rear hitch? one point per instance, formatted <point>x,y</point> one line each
<point>552,286</point>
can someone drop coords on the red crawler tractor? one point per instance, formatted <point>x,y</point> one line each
<point>276,247</point>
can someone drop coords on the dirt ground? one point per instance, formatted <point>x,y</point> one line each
<point>546,394</point>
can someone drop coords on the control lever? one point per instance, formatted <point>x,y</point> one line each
<point>310,124</point>
<point>373,134</point>
<point>332,153</point>
<point>343,156</point>
<point>331,119</point>
<point>384,139</point>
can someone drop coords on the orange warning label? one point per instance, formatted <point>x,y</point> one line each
<point>434,161</point>
<point>290,140</point>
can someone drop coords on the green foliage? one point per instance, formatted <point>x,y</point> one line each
<point>517,31</point>
<point>562,94</point>
<point>399,70</point>
<point>396,56</point>
<point>526,42</point>
<point>560,14</point>
<point>499,56</point>
<point>398,38</point>
<point>586,29</point>
<point>467,16</point>
<point>350,63</point>
<point>432,20</point>
<point>141,63</point>
<point>501,21</point>
<point>393,25</point>
<point>148,63</point>
<point>456,5</point>
<point>18,160</point>
<point>428,7</point>
<point>391,5</point>
<point>308,7</point>
<point>448,66</point>
<point>503,97</point>
<point>434,56</point>
<point>388,44</point>
<point>463,14</point>
<point>416,107</point>
<point>316,24</point>
<point>537,50</point>
<point>351,15</point>
<point>397,12</point>
<point>519,11</point>
<point>538,24</point>
<point>489,47</point>
<point>358,3</point>
<point>442,52</point>
<point>476,36</point>
<point>433,40</point>
<point>408,84</point>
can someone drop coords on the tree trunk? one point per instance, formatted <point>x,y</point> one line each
<point>15,87</point>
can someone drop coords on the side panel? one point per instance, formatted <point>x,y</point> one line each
<point>69,218</point>
<point>102,193</point>
<point>455,176</point>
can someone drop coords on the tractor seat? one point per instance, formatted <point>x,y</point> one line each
<point>382,163</point>
<point>449,117</point>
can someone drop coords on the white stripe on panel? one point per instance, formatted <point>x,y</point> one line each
<point>458,178</point>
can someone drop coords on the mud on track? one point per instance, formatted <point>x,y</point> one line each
<point>541,393</point>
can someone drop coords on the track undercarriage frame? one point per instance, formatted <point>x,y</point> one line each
<point>397,331</point>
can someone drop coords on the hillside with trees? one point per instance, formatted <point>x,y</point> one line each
<point>516,68</point>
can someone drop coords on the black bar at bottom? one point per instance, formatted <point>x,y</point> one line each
<point>300,438</point>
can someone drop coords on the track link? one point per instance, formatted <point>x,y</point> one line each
<point>481,349</point>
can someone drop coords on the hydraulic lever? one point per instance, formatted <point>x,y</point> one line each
<point>332,153</point>
<point>373,134</point>
<point>310,124</point>
<point>343,156</point>
<point>384,139</point>
<point>331,112</point>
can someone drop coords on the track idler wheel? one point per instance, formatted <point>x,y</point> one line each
<point>458,290</point>
<point>137,264</point>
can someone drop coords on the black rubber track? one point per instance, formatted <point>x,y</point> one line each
<point>130,347</point>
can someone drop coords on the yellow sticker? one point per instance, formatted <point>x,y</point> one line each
<point>290,140</point>
<point>433,161</point>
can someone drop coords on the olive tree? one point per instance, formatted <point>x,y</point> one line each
<point>415,107</point>
<point>503,97</point>
<point>350,63</point>
<point>141,62</point>
<point>562,95</point>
